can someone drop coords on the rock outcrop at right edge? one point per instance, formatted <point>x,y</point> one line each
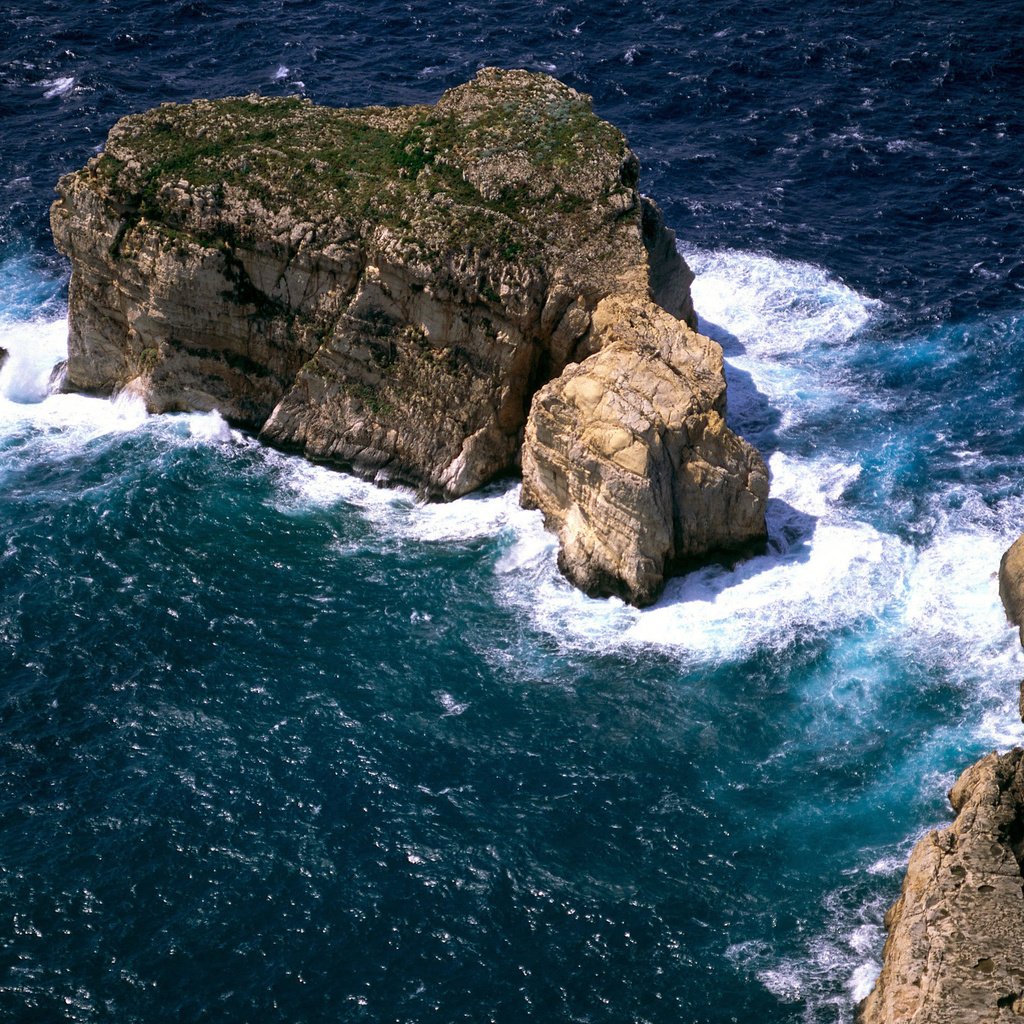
<point>955,949</point>
<point>1011,584</point>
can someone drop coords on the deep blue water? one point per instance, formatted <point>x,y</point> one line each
<point>278,746</point>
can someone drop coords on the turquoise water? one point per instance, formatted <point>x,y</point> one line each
<point>276,738</point>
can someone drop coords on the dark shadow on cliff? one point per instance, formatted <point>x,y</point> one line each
<point>789,531</point>
<point>750,414</point>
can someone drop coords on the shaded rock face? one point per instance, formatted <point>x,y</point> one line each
<point>1011,584</point>
<point>391,290</point>
<point>955,950</point>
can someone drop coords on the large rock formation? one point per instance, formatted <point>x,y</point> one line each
<point>388,289</point>
<point>1011,584</point>
<point>955,950</point>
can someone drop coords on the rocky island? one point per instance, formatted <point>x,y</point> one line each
<point>433,296</point>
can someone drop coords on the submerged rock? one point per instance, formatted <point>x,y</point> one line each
<point>390,290</point>
<point>955,950</point>
<point>1011,584</point>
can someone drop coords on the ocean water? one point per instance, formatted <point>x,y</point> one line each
<point>279,746</point>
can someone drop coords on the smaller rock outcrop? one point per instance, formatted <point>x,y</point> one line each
<point>955,950</point>
<point>1011,583</point>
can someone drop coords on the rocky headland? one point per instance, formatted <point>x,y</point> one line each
<point>433,296</point>
<point>955,947</point>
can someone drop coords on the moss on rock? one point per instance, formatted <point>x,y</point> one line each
<point>509,164</point>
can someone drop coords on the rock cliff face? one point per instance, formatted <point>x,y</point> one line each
<point>955,951</point>
<point>628,456</point>
<point>1011,584</point>
<point>390,290</point>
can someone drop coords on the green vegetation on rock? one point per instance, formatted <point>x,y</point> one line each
<point>519,156</point>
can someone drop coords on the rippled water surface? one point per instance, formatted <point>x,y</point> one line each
<point>277,745</point>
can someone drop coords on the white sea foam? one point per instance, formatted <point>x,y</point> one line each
<point>829,573</point>
<point>862,980</point>
<point>281,72</point>
<point>846,953</point>
<point>776,320</point>
<point>824,570</point>
<point>54,87</point>
<point>54,424</point>
<point>953,598</point>
<point>775,307</point>
<point>210,427</point>
<point>887,865</point>
<point>33,349</point>
<point>471,518</point>
<point>396,510</point>
<point>952,619</point>
<point>449,704</point>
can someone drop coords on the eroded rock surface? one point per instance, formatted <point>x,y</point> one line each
<point>388,289</point>
<point>628,456</point>
<point>1011,584</point>
<point>955,950</point>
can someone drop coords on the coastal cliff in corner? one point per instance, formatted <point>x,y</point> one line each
<point>433,296</point>
<point>955,951</point>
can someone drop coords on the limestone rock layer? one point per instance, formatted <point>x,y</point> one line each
<point>393,290</point>
<point>955,950</point>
